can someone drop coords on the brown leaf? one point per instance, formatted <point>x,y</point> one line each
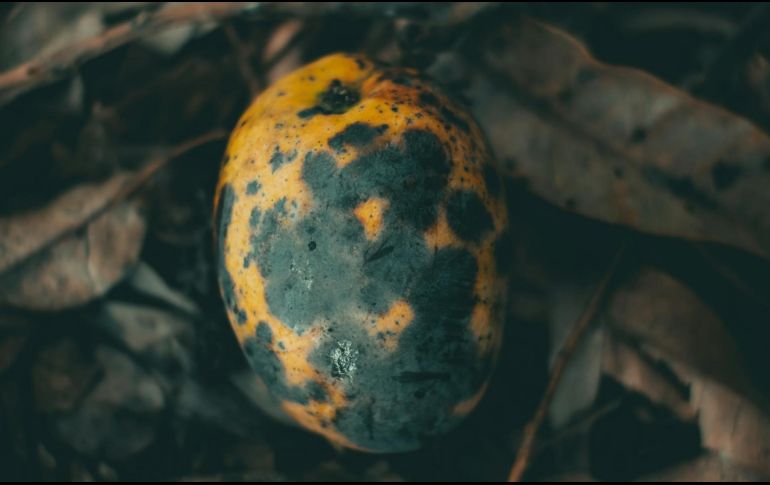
<point>618,145</point>
<point>667,344</point>
<point>80,266</point>
<point>23,235</point>
<point>668,319</point>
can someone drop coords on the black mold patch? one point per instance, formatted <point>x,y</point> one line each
<point>336,99</point>
<point>254,217</point>
<point>253,187</point>
<point>467,216</point>
<point>724,174</point>
<point>356,135</point>
<point>310,112</point>
<point>346,276</point>
<point>270,368</point>
<point>278,159</point>
<point>222,221</point>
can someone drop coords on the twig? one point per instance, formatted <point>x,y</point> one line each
<point>57,65</point>
<point>570,346</point>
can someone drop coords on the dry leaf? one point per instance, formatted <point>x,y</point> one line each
<point>618,145</point>
<point>79,266</point>
<point>23,235</point>
<point>683,357</point>
<point>662,314</point>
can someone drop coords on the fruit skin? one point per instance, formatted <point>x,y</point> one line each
<point>361,233</point>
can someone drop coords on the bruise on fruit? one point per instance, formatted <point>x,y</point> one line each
<point>366,263</point>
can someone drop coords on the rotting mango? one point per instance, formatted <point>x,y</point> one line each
<point>360,232</point>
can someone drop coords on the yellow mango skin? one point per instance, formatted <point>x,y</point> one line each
<point>360,233</point>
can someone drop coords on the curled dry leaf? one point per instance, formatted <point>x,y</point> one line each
<point>618,145</point>
<point>660,313</point>
<point>664,342</point>
<point>70,268</point>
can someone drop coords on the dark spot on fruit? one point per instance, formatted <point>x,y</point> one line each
<point>361,64</point>
<point>356,135</point>
<point>222,221</point>
<point>725,174</point>
<point>467,216</point>
<point>253,187</point>
<point>278,158</point>
<point>336,99</point>
<point>311,245</point>
<point>254,217</point>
